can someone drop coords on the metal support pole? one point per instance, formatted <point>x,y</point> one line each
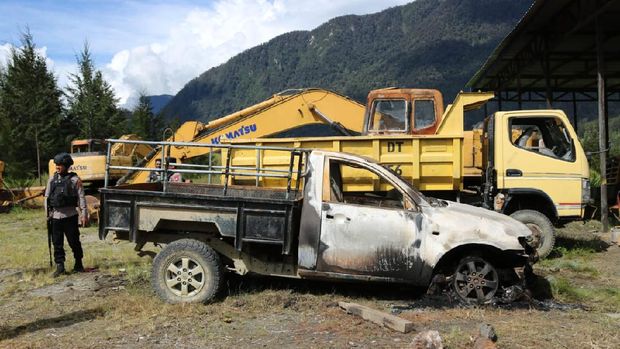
<point>210,164</point>
<point>164,174</point>
<point>499,101</point>
<point>547,72</point>
<point>257,166</point>
<point>107,166</point>
<point>227,170</point>
<point>302,161</point>
<point>519,92</point>
<point>602,124</point>
<point>290,174</point>
<point>575,120</point>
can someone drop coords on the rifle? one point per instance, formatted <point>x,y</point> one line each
<point>50,228</point>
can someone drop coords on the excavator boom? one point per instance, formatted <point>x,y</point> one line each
<point>286,111</point>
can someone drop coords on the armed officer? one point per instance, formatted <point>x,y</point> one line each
<point>64,193</point>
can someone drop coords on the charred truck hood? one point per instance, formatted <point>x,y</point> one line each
<point>463,224</point>
<point>449,225</point>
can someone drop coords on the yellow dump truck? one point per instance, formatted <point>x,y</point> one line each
<point>528,164</point>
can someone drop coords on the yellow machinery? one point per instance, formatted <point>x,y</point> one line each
<point>446,160</point>
<point>528,164</point>
<point>436,160</point>
<point>89,158</point>
<point>286,111</point>
<point>30,196</point>
<point>396,113</point>
<point>452,160</point>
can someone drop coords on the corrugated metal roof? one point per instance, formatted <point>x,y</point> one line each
<point>557,36</point>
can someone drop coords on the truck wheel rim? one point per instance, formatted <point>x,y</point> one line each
<point>476,280</point>
<point>185,277</point>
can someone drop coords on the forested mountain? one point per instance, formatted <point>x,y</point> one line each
<point>159,102</point>
<point>427,43</point>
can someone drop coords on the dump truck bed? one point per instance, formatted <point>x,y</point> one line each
<point>246,214</point>
<point>430,163</point>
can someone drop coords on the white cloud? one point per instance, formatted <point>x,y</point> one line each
<point>207,37</point>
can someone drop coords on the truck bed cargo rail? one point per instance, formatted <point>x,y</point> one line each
<point>293,173</point>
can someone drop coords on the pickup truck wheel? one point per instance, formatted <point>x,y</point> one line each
<point>187,271</point>
<point>475,280</point>
<point>541,227</point>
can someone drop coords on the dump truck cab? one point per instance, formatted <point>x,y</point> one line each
<point>403,111</point>
<point>536,169</point>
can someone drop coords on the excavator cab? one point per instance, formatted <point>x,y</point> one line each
<point>87,146</point>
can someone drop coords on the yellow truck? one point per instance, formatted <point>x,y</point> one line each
<point>528,164</point>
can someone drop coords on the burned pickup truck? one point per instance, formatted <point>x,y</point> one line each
<point>337,216</point>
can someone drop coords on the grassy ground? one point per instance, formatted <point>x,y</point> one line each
<point>114,306</point>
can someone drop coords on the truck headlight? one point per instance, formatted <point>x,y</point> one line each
<point>585,191</point>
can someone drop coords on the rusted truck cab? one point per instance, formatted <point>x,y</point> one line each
<point>330,227</point>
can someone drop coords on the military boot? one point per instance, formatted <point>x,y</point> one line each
<point>78,267</point>
<point>60,270</point>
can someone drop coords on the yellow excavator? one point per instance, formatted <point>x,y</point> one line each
<point>89,157</point>
<point>318,113</point>
<point>299,112</point>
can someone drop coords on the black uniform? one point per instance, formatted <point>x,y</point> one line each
<point>64,194</point>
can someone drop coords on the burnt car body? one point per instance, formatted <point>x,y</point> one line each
<point>375,227</point>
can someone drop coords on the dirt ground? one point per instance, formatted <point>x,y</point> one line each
<point>113,304</point>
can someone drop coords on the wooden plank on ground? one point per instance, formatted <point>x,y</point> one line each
<point>384,319</point>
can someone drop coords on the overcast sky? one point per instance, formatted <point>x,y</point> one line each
<point>157,46</point>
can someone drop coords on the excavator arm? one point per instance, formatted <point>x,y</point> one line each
<point>285,111</point>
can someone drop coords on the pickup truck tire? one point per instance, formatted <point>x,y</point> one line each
<point>541,228</point>
<point>476,280</point>
<point>187,271</point>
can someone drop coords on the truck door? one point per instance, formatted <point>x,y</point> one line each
<point>539,152</point>
<point>365,228</point>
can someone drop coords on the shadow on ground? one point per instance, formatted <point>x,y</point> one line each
<point>54,322</point>
<point>595,244</point>
<point>237,285</point>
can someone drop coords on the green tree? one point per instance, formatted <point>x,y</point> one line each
<point>143,122</point>
<point>30,111</point>
<point>91,101</point>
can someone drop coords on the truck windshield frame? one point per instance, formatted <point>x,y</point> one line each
<point>384,116</point>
